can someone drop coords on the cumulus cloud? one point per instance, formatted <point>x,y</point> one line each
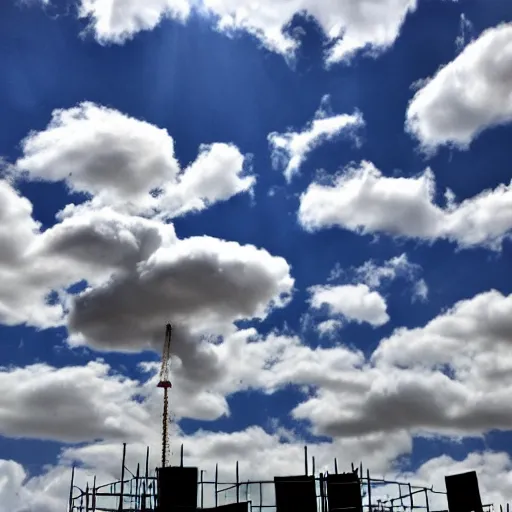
<point>364,201</point>
<point>468,95</point>
<point>350,26</point>
<point>356,303</point>
<point>200,282</point>
<point>70,404</point>
<point>477,329</point>
<point>21,300</point>
<point>115,21</point>
<point>463,352</point>
<point>17,227</point>
<point>290,149</point>
<point>128,164</point>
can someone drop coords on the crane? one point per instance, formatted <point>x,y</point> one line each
<point>165,383</point>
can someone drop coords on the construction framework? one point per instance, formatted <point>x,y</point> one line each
<point>140,492</point>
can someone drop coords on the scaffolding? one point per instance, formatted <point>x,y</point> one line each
<point>140,492</point>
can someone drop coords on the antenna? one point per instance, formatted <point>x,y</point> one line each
<point>165,383</point>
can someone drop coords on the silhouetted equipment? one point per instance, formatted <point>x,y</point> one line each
<point>344,493</point>
<point>232,507</point>
<point>295,493</point>
<point>463,492</point>
<point>177,489</point>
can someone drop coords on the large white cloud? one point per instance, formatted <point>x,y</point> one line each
<point>451,376</point>
<point>199,283</point>
<point>356,303</point>
<point>74,403</point>
<point>477,330</point>
<point>118,20</point>
<point>129,164</point>
<point>468,95</point>
<point>290,149</point>
<point>350,26</point>
<point>17,227</point>
<point>365,201</point>
<point>21,299</point>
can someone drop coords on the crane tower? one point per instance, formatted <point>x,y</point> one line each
<point>165,383</point>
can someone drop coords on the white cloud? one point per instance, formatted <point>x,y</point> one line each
<point>374,275</point>
<point>216,175</point>
<point>17,227</point>
<point>129,164</point>
<point>202,284</point>
<point>356,303</point>
<point>350,26</point>
<point>473,331</point>
<point>70,404</point>
<point>290,149</point>
<point>115,21</point>
<point>465,31</point>
<point>420,291</point>
<point>328,327</point>
<point>451,376</point>
<point>21,300</point>
<point>364,201</point>
<point>468,95</point>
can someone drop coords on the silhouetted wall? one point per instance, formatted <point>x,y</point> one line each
<point>295,493</point>
<point>463,492</point>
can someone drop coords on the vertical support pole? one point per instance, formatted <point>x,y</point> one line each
<point>181,455</point>
<point>426,501</point>
<point>155,504</point>
<point>87,497</point>
<point>313,464</point>
<point>71,489</point>
<point>216,483</point>
<point>306,460</point>
<point>321,480</point>
<point>369,483</point>
<point>202,489</point>
<point>261,496</point>
<point>410,494</point>
<point>137,496</point>
<point>237,484</point>
<point>122,478</point>
<point>335,465</point>
<point>146,489</point>
<point>94,494</point>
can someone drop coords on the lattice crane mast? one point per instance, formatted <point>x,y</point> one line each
<point>165,383</point>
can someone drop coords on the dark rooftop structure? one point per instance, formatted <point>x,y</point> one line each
<point>183,489</point>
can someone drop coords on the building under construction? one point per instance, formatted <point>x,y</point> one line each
<point>183,489</point>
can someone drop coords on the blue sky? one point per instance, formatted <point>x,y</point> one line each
<point>322,206</point>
